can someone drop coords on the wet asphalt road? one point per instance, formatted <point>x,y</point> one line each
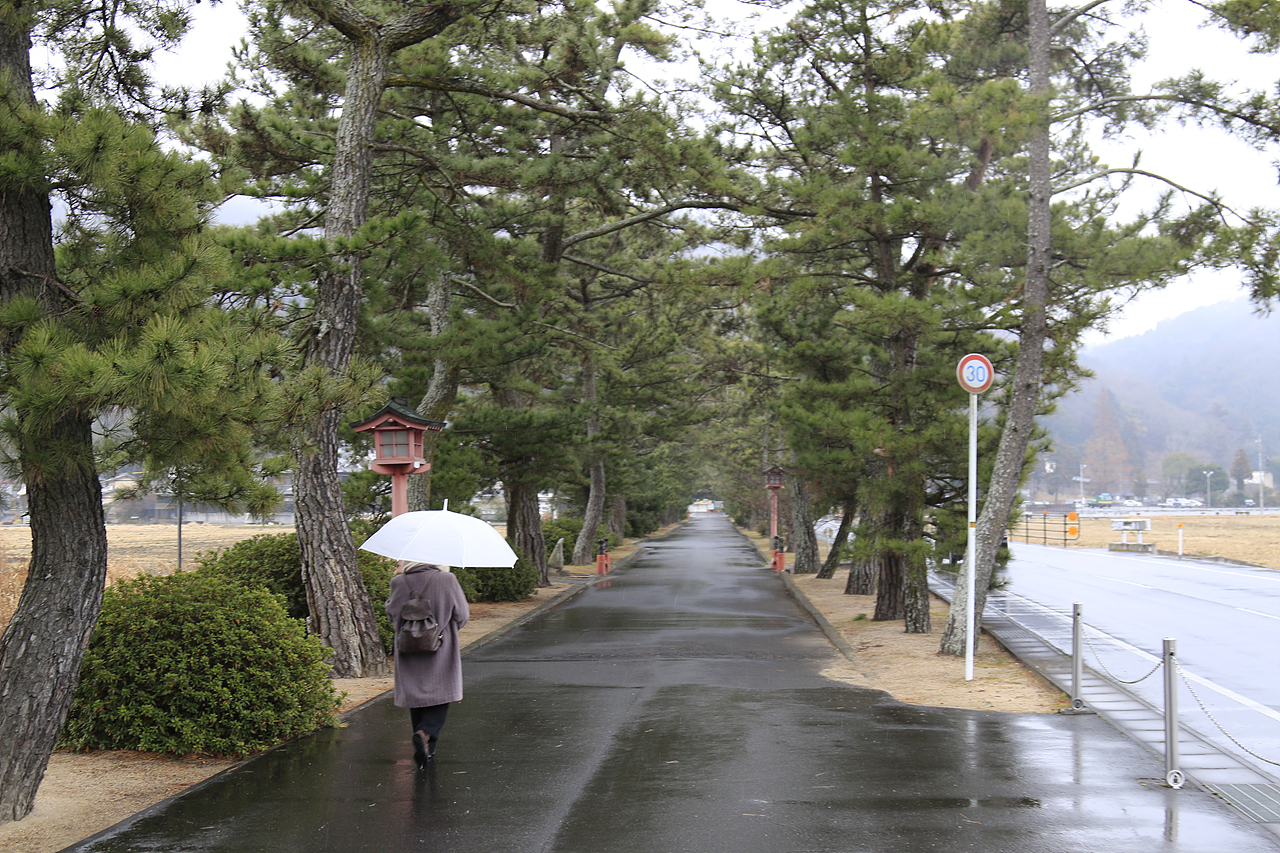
<point>680,707</point>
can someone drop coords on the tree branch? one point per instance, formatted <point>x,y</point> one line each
<point>1218,203</point>
<point>343,16</point>
<point>483,295</point>
<point>470,88</point>
<point>647,216</point>
<point>1062,23</point>
<point>399,32</point>
<point>1212,107</point>
<point>604,269</point>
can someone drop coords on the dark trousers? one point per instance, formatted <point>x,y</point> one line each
<point>429,719</point>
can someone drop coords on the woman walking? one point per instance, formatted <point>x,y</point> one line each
<point>426,683</point>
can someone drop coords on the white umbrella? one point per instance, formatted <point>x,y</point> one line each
<point>442,537</point>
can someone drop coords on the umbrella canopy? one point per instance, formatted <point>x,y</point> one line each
<point>442,537</point>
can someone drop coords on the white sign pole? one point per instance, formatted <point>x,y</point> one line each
<point>971,552</point>
<point>976,375</point>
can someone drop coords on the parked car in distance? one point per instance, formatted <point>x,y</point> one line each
<point>1131,502</point>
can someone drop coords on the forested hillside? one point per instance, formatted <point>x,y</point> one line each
<point>1204,383</point>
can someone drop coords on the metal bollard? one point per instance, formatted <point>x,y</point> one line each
<point>1077,656</point>
<point>1173,776</point>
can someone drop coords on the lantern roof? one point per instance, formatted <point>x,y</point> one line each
<point>396,414</point>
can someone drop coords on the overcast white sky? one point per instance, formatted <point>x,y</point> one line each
<point>1204,160</point>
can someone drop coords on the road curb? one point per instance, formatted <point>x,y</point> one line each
<point>827,628</point>
<point>542,607</point>
<point>841,644</point>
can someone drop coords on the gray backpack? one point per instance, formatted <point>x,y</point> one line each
<point>419,632</point>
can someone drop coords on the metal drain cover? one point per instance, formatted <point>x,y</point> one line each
<point>1260,802</point>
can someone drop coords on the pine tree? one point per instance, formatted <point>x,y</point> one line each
<point>1098,254</point>
<point>122,318</point>
<point>873,191</point>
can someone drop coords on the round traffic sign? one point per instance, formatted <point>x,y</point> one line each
<point>975,373</point>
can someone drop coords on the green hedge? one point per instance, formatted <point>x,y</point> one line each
<point>568,527</point>
<point>274,562</point>
<point>500,583</point>
<point>197,663</point>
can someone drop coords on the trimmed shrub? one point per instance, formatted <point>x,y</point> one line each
<point>271,561</point>
<point>568,528</point>
<point>499,583</point>
<point>194,662</point>
<point>274,562</point>
<point>565,527</point>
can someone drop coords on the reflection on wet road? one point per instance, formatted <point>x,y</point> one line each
<point>680,708</point>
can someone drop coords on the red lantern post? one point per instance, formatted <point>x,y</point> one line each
<point>397,447</point>
<point>773,482</point>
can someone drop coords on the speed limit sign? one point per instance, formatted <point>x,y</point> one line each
<point>975,373</point>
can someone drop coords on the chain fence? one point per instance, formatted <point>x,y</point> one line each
<point>1107,656</point>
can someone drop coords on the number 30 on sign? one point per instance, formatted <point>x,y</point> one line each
<point>975,373</point>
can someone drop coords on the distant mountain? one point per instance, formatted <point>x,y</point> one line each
<point>1207,382</point>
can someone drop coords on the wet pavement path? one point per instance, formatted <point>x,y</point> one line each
<point>679,707</point>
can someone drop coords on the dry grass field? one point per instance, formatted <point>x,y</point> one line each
<point>153,548</point>
<point>1253,539</point>
<point>132,549</point>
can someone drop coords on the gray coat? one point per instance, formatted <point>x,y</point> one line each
<point>436,678</point>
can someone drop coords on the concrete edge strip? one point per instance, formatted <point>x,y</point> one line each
<point>827,628</point>
<point>815,614</point>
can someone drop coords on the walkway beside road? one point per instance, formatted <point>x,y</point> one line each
<point>678,705</point>
<point>1040,637</point>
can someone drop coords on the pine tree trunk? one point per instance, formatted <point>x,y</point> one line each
<point>524,527</point>
<point>441,394</point>
<point>593,515</point>
<point>916,618</point>
<point>865,570</point>
<point>44,643</point>
<point>804,540</point>
<point>340,607</point>
<point>618,516</point>
<point>1025,394</point>
<point>341,610</point>
<point>584,548</point>
<point>862,577</point>
<point>828,570</point>
<point>890,587</point>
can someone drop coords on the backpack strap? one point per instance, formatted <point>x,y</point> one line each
<point>422,593</point>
